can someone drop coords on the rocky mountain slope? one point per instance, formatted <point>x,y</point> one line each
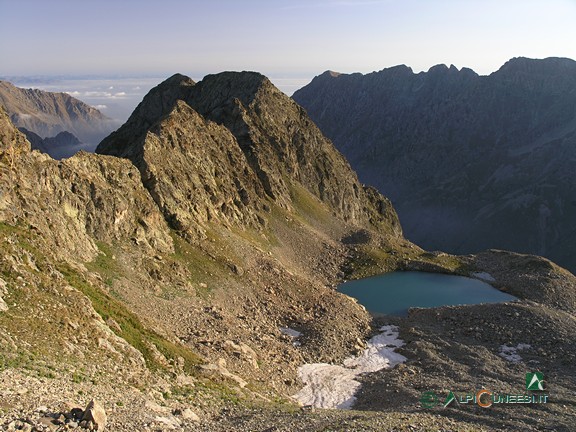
<point>159,282</point>
<point>47,114</point>
<point>178,273</point>
<point>470,162</point>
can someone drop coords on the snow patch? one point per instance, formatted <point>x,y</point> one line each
<point>334,386</point>
<point>510,353</point>
<point>294,334</point>
<point>484,276</point>
<point>290,332</point>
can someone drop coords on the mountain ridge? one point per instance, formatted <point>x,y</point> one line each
<point>274,146</point>
<point>458,153</point>
<point>48,113</point>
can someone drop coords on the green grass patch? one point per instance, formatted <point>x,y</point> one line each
<point>369,262</point>
<point>202,268</point>
<point>104,264</point>
<point>446,262</point>
<point>132,329</point>
<point>309,205</point>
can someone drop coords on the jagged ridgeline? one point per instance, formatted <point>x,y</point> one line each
<point>470,162</point>
<point>226,147</point>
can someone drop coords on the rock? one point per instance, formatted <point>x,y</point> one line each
<point>170,422</point>
<point>48,422</point>
<point>188,414</point>
<point>244,351</point>
<point>3,292</point>
<point>95,413</point>
<point>220,369</point>
<point>42,409</point>
<point>154,407</point>
<point>114,326</point>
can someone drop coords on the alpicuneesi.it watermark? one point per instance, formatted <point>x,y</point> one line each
<point>486,398</point>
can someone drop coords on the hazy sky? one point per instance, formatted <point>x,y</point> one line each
<point>298,38</point>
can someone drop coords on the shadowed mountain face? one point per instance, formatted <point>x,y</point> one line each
<point>47,114</point>
<point>471,162</point>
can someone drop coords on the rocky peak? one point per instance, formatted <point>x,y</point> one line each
<point>218,89</point>
<point>159,102</point>
<point>329,74</point>
<point>224,146</point>
<point>550,65</point>
<point>552,75</point>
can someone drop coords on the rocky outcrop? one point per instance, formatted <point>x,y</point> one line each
<point>87,197</point>
<point>470,162</point>
<point>224,148</point>
<point>94,414</point>
<point>47,114</point>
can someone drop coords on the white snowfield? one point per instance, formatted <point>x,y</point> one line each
<point>510,353</point>
<point>334,386</point>
<point>290,332</point>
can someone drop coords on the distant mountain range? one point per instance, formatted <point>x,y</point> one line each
<point>470,162</point>
<point>60,146</point>
<point>48,114</point>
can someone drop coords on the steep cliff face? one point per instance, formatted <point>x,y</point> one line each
<point>88,198</point>
<point>470,162</point>
<point>47,114</point>
<point>261,147</point>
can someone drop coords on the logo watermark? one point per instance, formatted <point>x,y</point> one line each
<point>486,398</point>
<point>535,381</point>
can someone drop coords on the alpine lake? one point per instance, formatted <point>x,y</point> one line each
<point>394,293</point>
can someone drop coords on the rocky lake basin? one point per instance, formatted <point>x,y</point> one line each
<point>394,293</point>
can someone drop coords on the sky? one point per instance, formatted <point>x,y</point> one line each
<point>109,53</point>
<point>297,38</point>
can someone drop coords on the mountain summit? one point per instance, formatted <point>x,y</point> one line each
<point>226,147</point>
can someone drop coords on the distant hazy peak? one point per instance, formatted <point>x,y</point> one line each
<point>48,113</point>
<point>330,74</point>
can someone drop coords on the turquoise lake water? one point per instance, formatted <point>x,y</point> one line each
<point>393,293</point>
